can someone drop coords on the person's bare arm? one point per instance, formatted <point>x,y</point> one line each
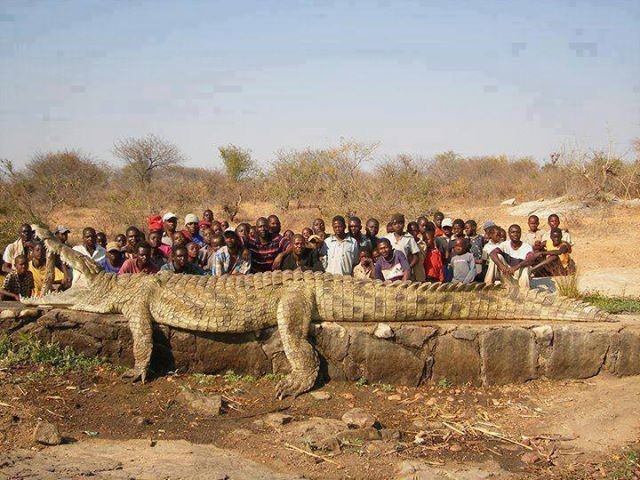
<point>6,267</point>
<point>5,293</point>
<point>505,270</point>
<point>413,259</point>
<point>278,260</point>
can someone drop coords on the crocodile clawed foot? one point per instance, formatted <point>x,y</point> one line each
<point>294,384</point>
<point>135,374</point>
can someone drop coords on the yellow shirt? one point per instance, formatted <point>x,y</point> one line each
<point>38,277</point>
<point>564,257</point>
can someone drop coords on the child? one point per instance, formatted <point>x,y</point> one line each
<point>554,222</point>
<point>18,282</point>
<point>494,240</point>
<point>192,251</point>
<point>392,264</point>
<point>121,241</point>
<point>476,243</point>
<point>463,264</point>
<point>364,269</point>
<point>558,261</point>
<point>534,235</point>
<point>432,260</point>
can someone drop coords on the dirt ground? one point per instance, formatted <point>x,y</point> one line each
<point>541,429</point>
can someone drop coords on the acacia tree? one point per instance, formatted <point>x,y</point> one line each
<point>143,156</point>
<point>238,163</point>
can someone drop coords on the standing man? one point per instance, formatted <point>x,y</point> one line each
<point>319,228</point>
<point>141,263</point>
<point>169,225</point>
<point>373,227</point>
<point>265,249</point>
<point>20,247</point>
<point>274,225</point>
<point>91,249</point>
<point>403,241</point>
<point>192,229</point>
<point>341,251</point>
<point>355,232</point>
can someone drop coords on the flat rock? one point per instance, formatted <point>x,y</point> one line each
<point>7,314</point>
<point>317,433</point>
<point>383,331</point>
<point>358,435</point>
<point>457,361</point>
<point>515,364</point>
<point>414,336</point>
<point>320,395</point>
<point>46,433</point>
<point>509,202</point>
<point>201,404</point>
<point>277,419</point>
<point>577,353</point>
<point>358,418</point>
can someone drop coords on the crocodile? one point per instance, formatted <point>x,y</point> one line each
<point>290,300</point>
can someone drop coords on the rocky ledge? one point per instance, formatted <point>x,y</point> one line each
<point>478,353</point>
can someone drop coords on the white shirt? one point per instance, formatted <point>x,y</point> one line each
<point>342,256</point>
<point>406,244</point>
<point>12,251</point>
<point>519,254</point>
<point>99,254</point>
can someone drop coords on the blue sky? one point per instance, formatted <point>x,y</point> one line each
<point>490,77</point>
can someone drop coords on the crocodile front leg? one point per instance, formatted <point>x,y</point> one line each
<point>140,322</point>
<point>294,319</point>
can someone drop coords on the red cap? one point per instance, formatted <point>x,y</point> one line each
<point>155,222</point>
<point>204,223</point>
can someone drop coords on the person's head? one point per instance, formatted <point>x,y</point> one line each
<point>26,233</point>
<point>470,228</point>
<point>192,249</point>
<point>422,223</point>
<point>243,230</point>
<point>486,226</point>
<point>461,246</point>
<point>207,215</point>
<point>318,226</point>
<point>179,240</point>
<point>143,254</point>
<point>503,234</point>
<point>355,227</point>
<point>438,217</point>
<point>397,223</point>
<point>430,237</point>
<point>299,244</point>
<point>554,221</point>
<point>169,222</point>
<point>366,260</point>
<point>89,237</point>
<point>231,240</point>
<point>339,226</point>
<point>21,264</point>
<point>390,227</point>
<point>457,229</point>
<point>114,253</point>
<point>556,236</point>
<point>306,233</point>
<point>288,234</point>
<point>493,234</point>
<point>133,236</point>
<point>274,225</point>
<point>372,227</point>
<point>101,239</point>
<point>121,240</point>
<point>218,241</point>
<point>384,248</point>
<point>207,235</point>
<point>533,222</point>
<point>375,254</point>
<point>155,238</point>
<point>38,252</point>
<point>412,228</point>
<point>180,257</point>
<point>62,233</point>
<point>192,224</point>
<point>515,232</point>
<point>253,231</point>
<point>262,227</point>
<point>447,226</point>
<point>216,227</point>
<point>224,224</point>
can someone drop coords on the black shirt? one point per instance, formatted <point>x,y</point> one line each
<point>309,260</point>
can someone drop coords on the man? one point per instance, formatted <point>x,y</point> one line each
<point>208,216</point>
<point>181,263</point>
<point>114,259</point>
<point>392,264</point>
<point>438,218</point>
<point>192,229</point>
<point>301,257</point>
<point>511,258</point>
<point>231,259</point>
<point>373,227</point>
<point>134,236</point>
<point>38,268</point>
<point>142,263</point>
<point>62,234</point>
<point>485,228</point>
<point>274,225</point>
<point>20,247</point>
<point>319,228</point>
<point>340,250</point>
<point>403,241</point>
<point>355,232</point>
<point>19,282</point>
<point>101,239</point>
<point>91,249</point>
<point>169,225</point>
<point>265,249</point>
<point>159,252</point>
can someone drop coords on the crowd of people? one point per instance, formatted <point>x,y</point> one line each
<point>439,249</point>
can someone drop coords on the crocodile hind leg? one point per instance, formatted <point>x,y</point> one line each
<point>140,324</point>
<point>294,319</point>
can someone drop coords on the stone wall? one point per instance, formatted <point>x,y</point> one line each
<point>478,353</point>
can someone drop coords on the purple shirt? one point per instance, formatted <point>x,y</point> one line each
<point>394,269</point>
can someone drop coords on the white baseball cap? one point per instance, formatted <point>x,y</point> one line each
<point>447,222</point>
<point>169,216</point>
<point>191,218</point>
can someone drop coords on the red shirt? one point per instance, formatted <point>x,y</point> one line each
<point>131,266</point>
<point>433,265</point>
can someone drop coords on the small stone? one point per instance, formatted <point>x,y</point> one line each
<point>347,396</point>
<point>451,399</point>
<point>47,434</point>
<point>7,314</point>
<point>394,397</point>
<point>544,334</point>
<point>406,468</point>
<point>427,425</point>
<point>277,419</point>
<point>359,435</point>
<point>383,331</point>
<point>358,418</point>
<point>530,458</point>
<point>28,312</point>
<point>465,334</point>
<point>509,202</point>
<point>321,395</point>
<point>201,404</point>
<point>329,444</point>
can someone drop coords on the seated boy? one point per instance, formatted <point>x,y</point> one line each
<point>511,259</point>
<point>558,261</point>
<point>18,282</point>
<point>463,263</point>
<point>364,269</point>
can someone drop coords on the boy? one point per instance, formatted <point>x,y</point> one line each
<point>433,270</point>
<point>554,222</point>
<point>438,218</point>
<point>463,263</point>
<point>403,241</point>
<point>558,261</point>
<point>534,235</point>
<point>494,241</point>
<point>476,243</point>
<point>18,282</point>
<point>364,269</point>
<point>38,268</point>
<point>114,258</point>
